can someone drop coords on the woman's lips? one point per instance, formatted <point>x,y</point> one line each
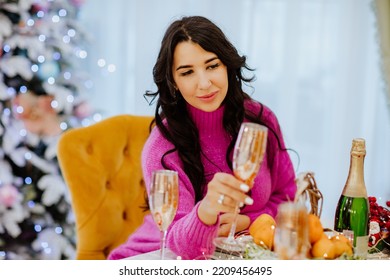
<point>209,96</point>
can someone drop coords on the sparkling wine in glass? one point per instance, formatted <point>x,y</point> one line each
<point>163,197</point>
<point>248,154</point>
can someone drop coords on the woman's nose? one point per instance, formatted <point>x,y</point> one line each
<point>204,81</point>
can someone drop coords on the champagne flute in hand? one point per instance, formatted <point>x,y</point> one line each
<point>163,199</point>
<point>248,154</point>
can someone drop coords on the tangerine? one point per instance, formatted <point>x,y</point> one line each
<point>342,245</point>
<point>263,230</point>
<point>323,248</point>
<point>342,238</point>
<point>341,248</point>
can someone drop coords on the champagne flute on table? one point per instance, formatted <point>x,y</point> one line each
<point>163,199</point>
<point>248,154</point>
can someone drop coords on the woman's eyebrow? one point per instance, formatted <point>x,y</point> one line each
<point>210,59</point>
<point>183,66</point>
<point>189,66</point>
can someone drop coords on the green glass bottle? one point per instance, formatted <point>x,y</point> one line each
<point>352,212</point>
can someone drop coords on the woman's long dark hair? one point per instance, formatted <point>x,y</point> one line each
<point>180,129</point>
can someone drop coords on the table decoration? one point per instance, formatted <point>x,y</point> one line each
<point>379,237</point>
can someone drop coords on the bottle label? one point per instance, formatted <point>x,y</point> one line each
<point>361,248</point>
<point>355,191</point>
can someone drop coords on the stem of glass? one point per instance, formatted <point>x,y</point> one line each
<point>232,232</point>
<point>162,249</point>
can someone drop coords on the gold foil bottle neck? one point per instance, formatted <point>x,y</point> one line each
<point>358,147</point>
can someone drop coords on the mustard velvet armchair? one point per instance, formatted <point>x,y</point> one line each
<point>101,165</point>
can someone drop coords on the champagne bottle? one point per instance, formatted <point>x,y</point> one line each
<point>352,212</point>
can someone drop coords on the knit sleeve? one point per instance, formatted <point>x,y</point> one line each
<point>187,236</point>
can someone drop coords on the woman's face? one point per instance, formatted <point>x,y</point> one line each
<point>200,76</point>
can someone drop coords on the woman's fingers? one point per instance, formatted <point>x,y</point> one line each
<point>224,230</point>
<point>224,193</point>
<point>226,220</point>
<point>229,191</point>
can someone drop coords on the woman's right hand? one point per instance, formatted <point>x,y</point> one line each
<point>224,191</point>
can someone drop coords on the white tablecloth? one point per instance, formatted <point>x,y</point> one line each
<point>154,255</point>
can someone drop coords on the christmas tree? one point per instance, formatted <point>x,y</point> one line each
<point>41,95</point>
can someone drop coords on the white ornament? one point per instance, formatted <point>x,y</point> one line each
<point>5,27</point>
<point>15,65</point>
<point>53,188</point>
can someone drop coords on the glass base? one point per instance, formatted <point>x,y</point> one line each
<point>229,245</point>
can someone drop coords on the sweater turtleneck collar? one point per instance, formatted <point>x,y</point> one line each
<point>207,122</point>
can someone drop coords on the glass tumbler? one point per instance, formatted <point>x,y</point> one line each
<point>292,232</point>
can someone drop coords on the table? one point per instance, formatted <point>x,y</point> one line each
<point>169,255</point>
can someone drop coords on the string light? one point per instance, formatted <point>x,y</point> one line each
<point>37,228</point>
<point>86,122</point>
<point>41,59</point>
<point>31,204</point>
<point>111,68</point>
<point>27,156</point>
<point>11,91</point>
<point>34,68</point>
<point>70,98</point>
<point>23,89</point>
<point>58,230</point>
<point>101,62</point>
<point>47,251</point>
<point>6,48</point>
<point>55,18</point>
<point>81,53</point>
<point>63,126</point>
<point>71,32</point>
<point>28,180</point>
<point>51,80</point>
<point>97,117</point>
<point>30,22</point>
<point>66,39</point>
<point>67,75</point>
<point>54,104</point>
<point>40,14</point>
<point>62,13</point>
<point>56,56</point>
<point>19,109</point>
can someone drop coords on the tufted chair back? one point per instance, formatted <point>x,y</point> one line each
<point>101,165</point>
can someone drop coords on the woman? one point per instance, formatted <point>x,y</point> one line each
<point>200,107</point>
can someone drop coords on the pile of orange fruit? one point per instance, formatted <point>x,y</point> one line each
<point>322,246</point>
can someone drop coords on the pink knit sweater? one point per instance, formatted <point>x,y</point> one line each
<point>188,236</point>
